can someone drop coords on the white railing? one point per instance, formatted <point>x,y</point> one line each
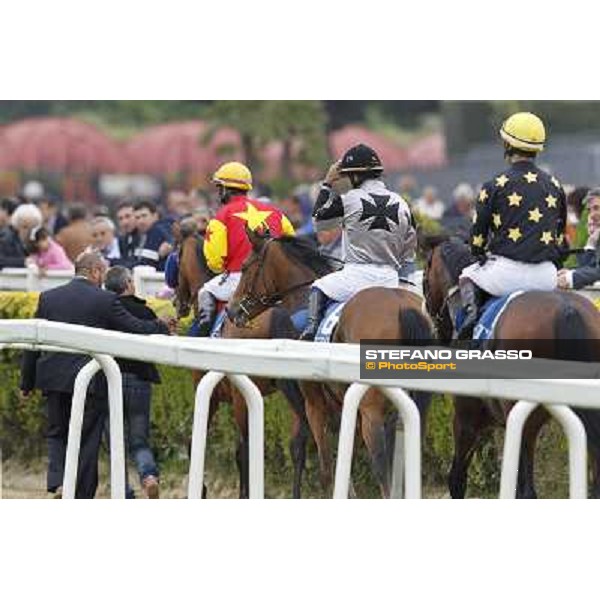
<point>323,362</point>
<point>148,281</point>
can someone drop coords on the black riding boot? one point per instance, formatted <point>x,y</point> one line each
<point>207,309</point>
<point>471,296</point>
<point>317,301</point>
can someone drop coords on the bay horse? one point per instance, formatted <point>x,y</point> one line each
<point>533,315</point>
<point>279,272</point>
<point>193,273</point>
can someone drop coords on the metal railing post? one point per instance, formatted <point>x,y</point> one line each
<point>117,442</point>
<point>204,393</point>
<point>512,448</point>
<point>117,435</point>
<point>256,444</point>
<point>255,404</point>
<point>412,439</point>
<point>411,420</point>
<point>576,436</point>
<point>82,382</point>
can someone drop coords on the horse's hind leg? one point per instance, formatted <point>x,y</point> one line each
<point>526,478</point>
<point>242,455</point>
<point>379,445</point>
<point>470,417</point>
<point>299,431</point>
<point>316,414</point>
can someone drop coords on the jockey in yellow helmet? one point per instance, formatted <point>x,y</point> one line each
<point>226,244</point>
<point>518,228</point>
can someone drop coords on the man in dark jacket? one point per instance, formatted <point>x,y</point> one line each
<point>588,262</point>
<point>138,378</point>
<point>155,243</point>
<point>79,302</point>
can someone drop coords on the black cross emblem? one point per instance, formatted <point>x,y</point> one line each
<point>380,211</point>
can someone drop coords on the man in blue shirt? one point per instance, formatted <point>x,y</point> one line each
<point>155,243</point>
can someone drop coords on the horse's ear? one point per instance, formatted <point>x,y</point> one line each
<point>427,242</point>
<point>258,236</point>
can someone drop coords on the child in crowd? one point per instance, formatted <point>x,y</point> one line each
<point>45,253</point>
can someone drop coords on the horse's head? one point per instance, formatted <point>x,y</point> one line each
<point>273,273</point>
<point>445,259</point>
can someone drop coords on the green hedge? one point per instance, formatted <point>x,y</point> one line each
<point>22,427</point>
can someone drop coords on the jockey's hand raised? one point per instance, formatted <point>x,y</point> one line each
<point>333,174</point>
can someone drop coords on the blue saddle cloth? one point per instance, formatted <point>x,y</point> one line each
<point>492,309</point>
<point>489,314</point>
<point>329,321</point>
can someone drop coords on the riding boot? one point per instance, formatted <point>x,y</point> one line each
<point>471,296</point>
<point>207,309</point>
<point>317,302</point>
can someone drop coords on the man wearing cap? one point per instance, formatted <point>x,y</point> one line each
<point>519,224</point>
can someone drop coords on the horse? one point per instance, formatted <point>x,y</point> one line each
<point>279,272</point>
<point>193,273</point>
<point>533,315</point>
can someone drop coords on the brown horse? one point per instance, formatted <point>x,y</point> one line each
<point>553,316</point>
<point>193,273</point>
<point>279,272</point>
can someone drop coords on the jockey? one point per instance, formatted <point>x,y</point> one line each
<point>379,231</point>
<point>226,245</point>
<point>519,224</point>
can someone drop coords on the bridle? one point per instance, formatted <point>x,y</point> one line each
<point>250,301</point>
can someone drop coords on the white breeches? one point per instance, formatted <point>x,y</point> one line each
<point>222,287</point>
<point>500,275</point>
<point>343,284</point>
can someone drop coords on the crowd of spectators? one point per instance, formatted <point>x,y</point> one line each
<point>50,234</point>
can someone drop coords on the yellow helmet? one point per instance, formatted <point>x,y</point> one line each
<point>233,175</point>
<point>524,131</point>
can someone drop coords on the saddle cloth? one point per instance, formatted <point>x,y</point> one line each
<point>491,313</point>
<point>329,321</point>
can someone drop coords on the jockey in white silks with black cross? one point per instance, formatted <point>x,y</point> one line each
<point>519,224</point>
<point>378,229</point>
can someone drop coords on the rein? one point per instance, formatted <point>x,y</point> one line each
<point>265,301</point>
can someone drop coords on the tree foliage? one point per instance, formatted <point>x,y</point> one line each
<point>299,124</point>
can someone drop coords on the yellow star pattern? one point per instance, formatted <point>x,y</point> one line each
<point>502,180</point>
<point>530,177</point>
<point>514,199</point>
<point>478,240</point>
<point>253,216</point>
<point>483,195</point>
<point>556,182</point>
<point>551,201</point>
<point>514,233</point>
<point>546,237</point>
<point>535,215</point>
<point>497,220</point>
<point>560,239</point>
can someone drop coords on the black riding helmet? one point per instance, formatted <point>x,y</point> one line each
<point>359,159</point>
<point>360,163</point>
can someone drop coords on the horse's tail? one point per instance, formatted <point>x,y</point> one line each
<point>415,327</point>
<point>573,335</point>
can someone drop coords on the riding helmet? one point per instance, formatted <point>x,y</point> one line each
<point>360,158</point>
<point>233,175</point>
<point>524,131</point>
